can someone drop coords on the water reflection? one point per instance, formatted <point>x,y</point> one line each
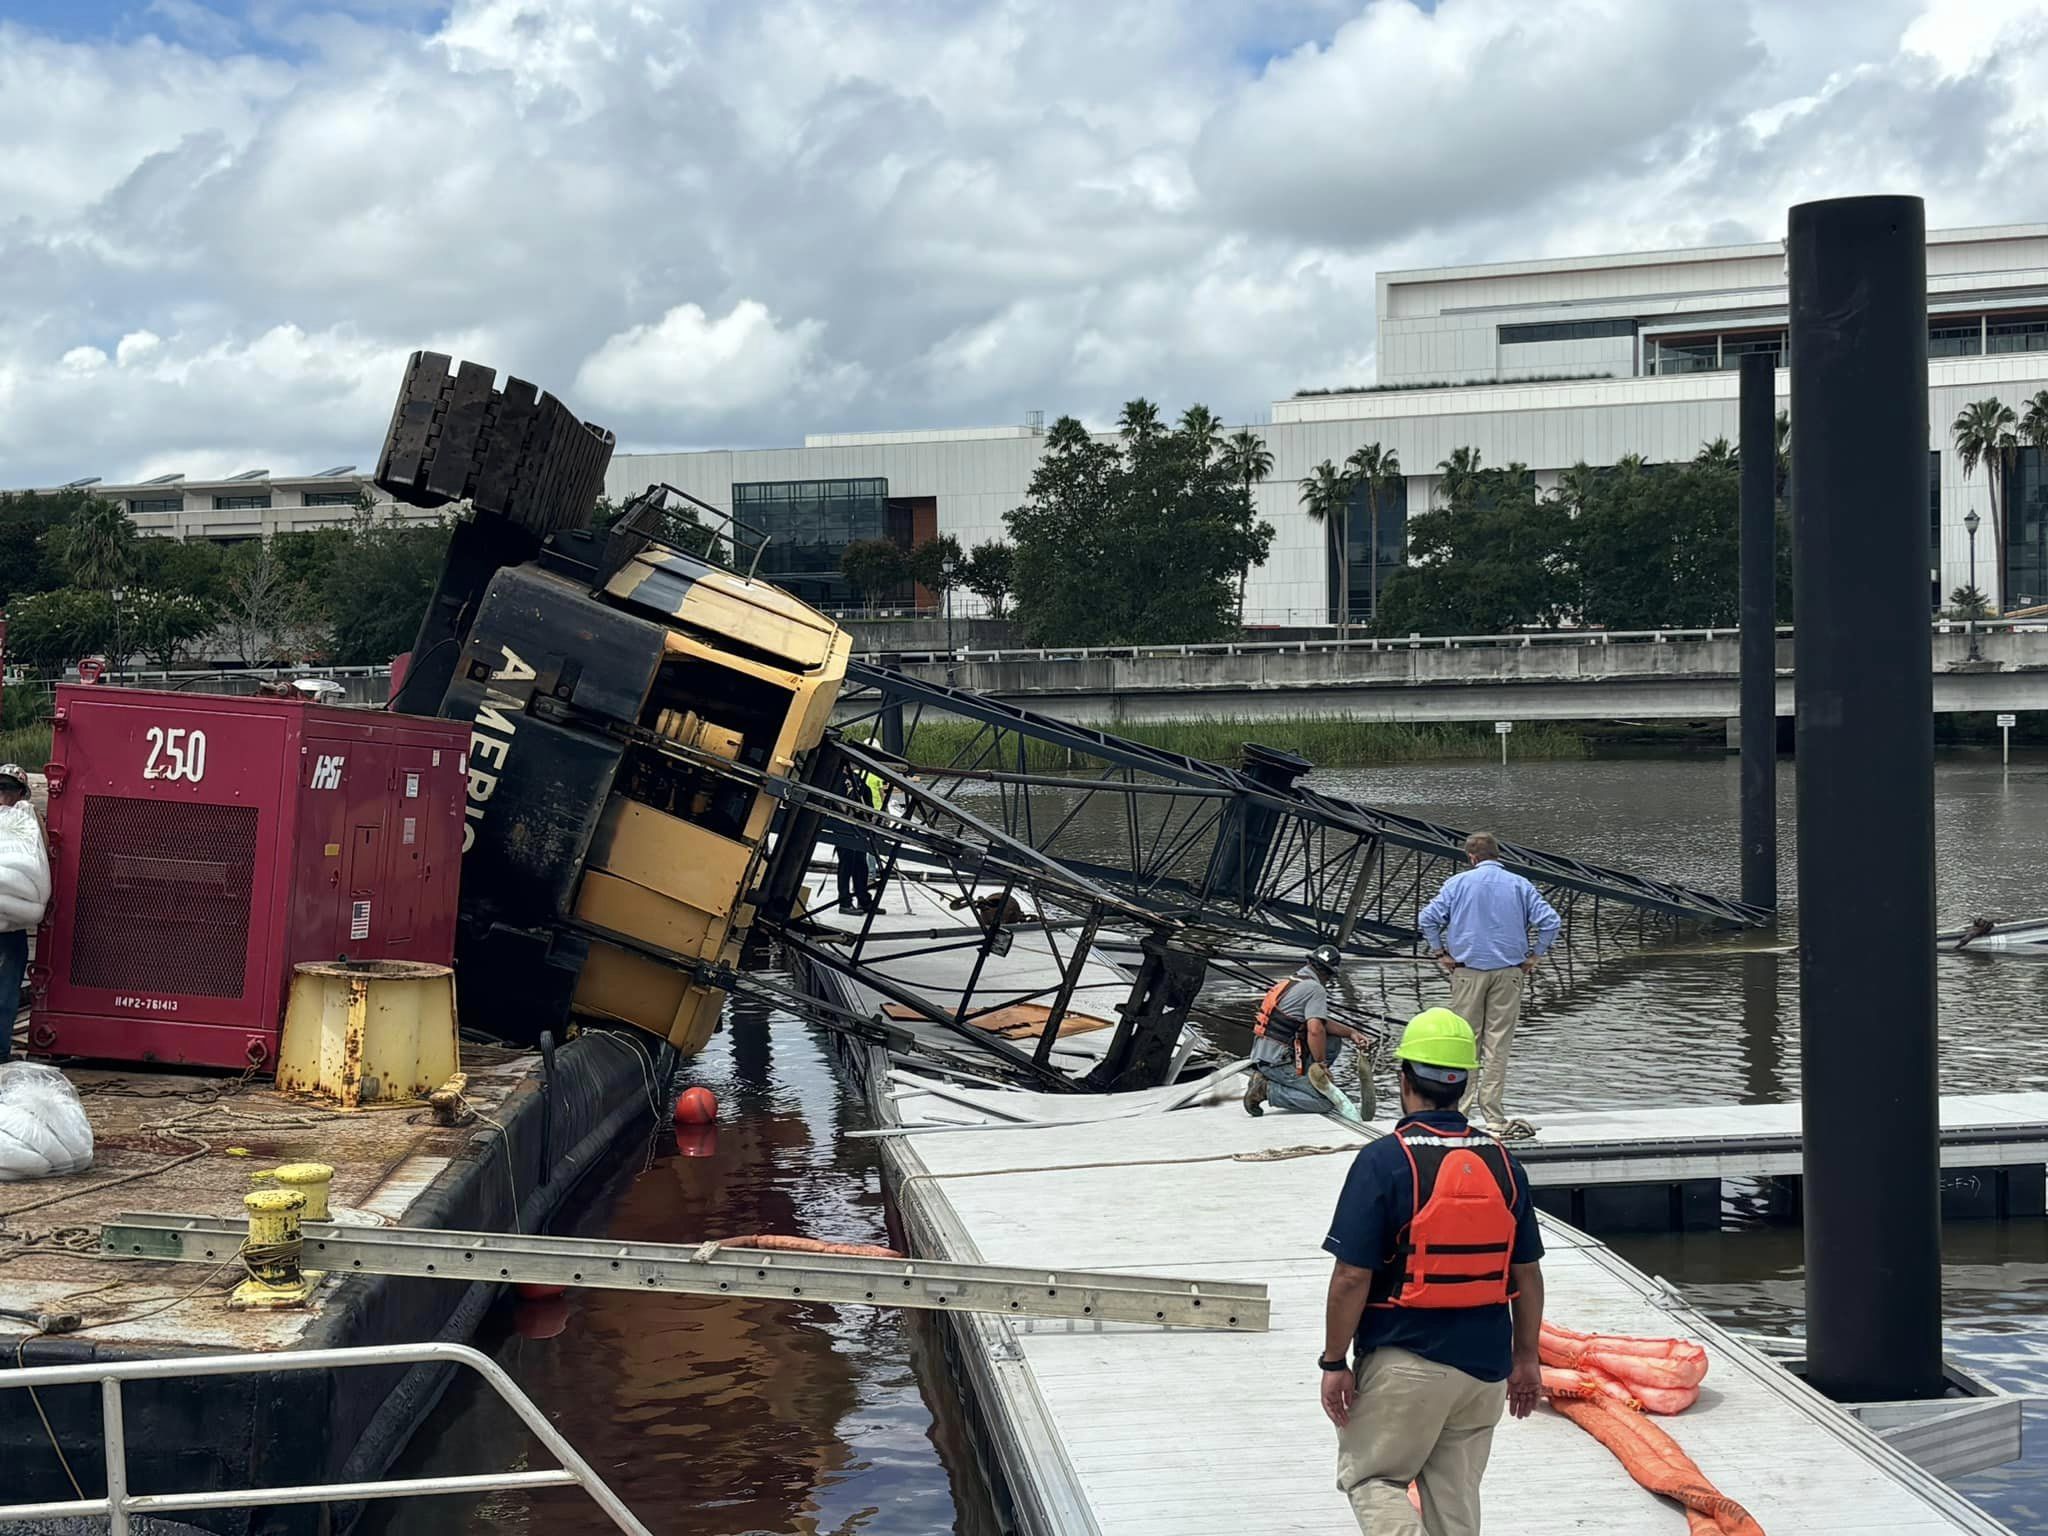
<point>714,1417</point>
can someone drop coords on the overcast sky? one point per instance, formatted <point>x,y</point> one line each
<point>223,226</point>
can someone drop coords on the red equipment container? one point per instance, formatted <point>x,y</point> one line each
<point>201,846</point>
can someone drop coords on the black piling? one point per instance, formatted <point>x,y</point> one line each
<point>1759,599</point>
<point>1866,798</point>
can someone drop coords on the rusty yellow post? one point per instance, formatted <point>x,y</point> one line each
<point>271,1253</point>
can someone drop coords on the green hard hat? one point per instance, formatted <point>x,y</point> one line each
<point>1439,1038</point>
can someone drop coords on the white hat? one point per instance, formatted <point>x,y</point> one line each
<point>16,772</point>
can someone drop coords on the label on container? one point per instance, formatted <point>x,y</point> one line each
<point>333,850</point>
<point>411,830</point>
<point>437,759</point>
<point>412,788</point>
<point>359,920</point>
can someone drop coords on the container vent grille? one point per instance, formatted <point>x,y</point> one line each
<point>163,897</point>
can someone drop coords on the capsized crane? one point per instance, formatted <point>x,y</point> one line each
<point>652,768</point>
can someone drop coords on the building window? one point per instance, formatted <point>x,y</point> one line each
<point>1955,338</point>
<point>1735,348</point>
<point>2017,336</point>
<point>1367,583</point>
<point>1934,525</point>
<point>1691,355</point>
<point>808,524</point>
<point>139,506</point>
<point>241,503</point>
<point>2026,522</point>
<point>1565,330</point>
<point>331,498</point>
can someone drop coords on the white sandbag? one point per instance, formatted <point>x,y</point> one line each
<point>43,1125</point>
<point>24,867</point>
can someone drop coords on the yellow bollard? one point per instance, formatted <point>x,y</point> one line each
<point>271,1253</point>
<point>310,1179</point>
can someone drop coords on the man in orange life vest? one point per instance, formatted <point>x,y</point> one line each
<point>1291,1044</point>
<point>1438,1284</point>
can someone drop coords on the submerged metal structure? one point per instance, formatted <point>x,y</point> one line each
<point>1248,849</point>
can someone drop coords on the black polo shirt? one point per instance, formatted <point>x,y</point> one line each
<point>1377,1202</point>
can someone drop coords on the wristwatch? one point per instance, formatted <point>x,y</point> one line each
<point>1333,1365</point>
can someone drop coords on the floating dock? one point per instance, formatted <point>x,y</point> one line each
<point>190,1143</point>
<point>1131,1429</point>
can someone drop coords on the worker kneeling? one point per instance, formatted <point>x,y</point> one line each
<point>1295,1041</point>
<point>1438,1284</point>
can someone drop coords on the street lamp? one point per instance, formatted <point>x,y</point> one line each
<point>1973,522</point>
<point>950,569</point>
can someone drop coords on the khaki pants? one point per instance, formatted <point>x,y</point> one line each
<point>1491,1002</point>
<point>1417,1421</point>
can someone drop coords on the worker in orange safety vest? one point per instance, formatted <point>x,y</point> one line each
<point>1435,1308</point>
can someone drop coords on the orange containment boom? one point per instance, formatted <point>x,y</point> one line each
<point>1601,1382</point>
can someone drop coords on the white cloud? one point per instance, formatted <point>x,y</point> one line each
<point>688,362</point>
<point>703,222</point>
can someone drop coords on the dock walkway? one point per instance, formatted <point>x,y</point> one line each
<point>1127,1429</point>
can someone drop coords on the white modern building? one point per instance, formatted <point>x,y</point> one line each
<point>252,504</point>
<point>1546,363</point>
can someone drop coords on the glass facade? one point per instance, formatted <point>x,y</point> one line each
<point>1954,337</point>
<point>1566,330</point>
<point>1934,528</point>
<point>241,503</point>
<point>1691,355</point>
<point>809,523</point>
<point>138,505</point>
<point>1393,549</point>
<point>1735,348</point>
<point>2026,525</point>
<point>330,498</point>
<point>2017,336</point>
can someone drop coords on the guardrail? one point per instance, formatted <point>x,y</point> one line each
<point>1374,644</point>
<point>118,1506</point>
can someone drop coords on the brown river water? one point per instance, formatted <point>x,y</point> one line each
<point>725,1418</point>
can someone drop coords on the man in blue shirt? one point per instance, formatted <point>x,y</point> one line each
<point>1438,1283</point>
<point>1478,928</point>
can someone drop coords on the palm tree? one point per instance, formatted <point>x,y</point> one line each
<point>1326,498</point>
<point>1203,426</point>
<point>99,546</point>
<point>1247,461</point>
<point>1984,435</point>
<point>1460,475</point>
<point>1139,422</point>
<point>1575,485</point>
<point>1377,471</point>
<point>1719,454</point>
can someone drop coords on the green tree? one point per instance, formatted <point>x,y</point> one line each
<point>1984,434</point>
<point>1247,461</point>
<point>927,564</point>
<point>1458,477</point>
<point>187,567</point>
<point>1133,541</point>
<point>161,625</point>
<point>50,630</point>
<point>31,524</point>
<point>1659,545</point>
<point>1377,472</point>
<point>873,567</point>
<point>379,585</point>
<point>98,546</point>
<point>991,572</point>
<point>1495,558</point>
<point>1139,421</point>
<point>1968,603</point>
<point>265,616</point>
<point>1326,498</point>
<point>1203,428</point>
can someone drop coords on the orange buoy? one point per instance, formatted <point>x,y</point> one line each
<point>696,1106</point>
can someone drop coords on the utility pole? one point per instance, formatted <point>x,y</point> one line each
<point>1866,799</point>
<point>1759,607</point>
